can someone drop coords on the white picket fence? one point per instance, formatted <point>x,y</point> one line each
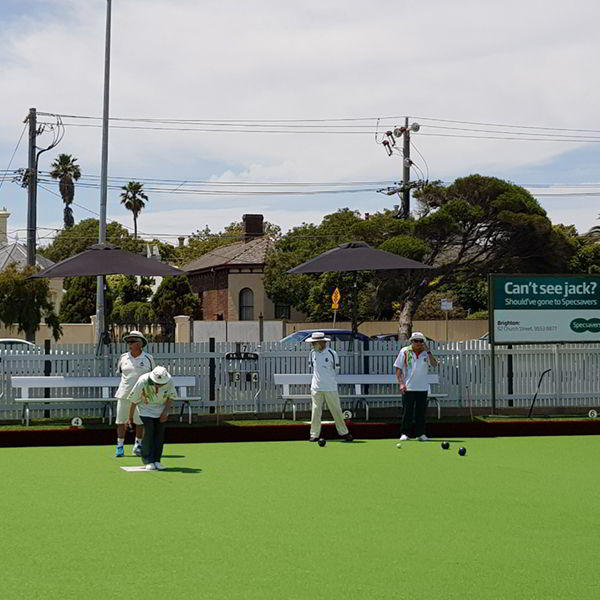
<point>465,372</point>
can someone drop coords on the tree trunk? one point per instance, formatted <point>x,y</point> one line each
<point>406,317</point>
<point>134,226</point>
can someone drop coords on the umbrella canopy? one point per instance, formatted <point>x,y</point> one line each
<point>107,259</point>
<point>356,256</point>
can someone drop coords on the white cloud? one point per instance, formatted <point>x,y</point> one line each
<point>509,62</point>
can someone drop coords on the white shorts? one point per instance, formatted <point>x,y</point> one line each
<point>123,412</point>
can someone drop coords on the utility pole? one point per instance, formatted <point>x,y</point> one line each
<point>391,148</point>
<point>406,171</point>
<point>100,312</point>
<point>31,189</point>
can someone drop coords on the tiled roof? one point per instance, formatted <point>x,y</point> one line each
<point>17,253</point>
<point>240,253</point>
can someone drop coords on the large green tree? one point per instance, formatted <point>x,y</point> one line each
<point>134,199</point>
<point>83,235</point>
<point>126,288</point>
<point>79,302</point>
<point>67,171</point>
<point>175,297</point>
<point>26,302</point>
<point>473,227</point>
<point>311,294</point>
<point>587,259</point>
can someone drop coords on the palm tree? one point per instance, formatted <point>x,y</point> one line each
<point>134,199</point>
<point>593,235</point>
<point>67,171</point>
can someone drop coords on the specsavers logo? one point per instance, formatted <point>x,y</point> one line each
<point>583,325</point>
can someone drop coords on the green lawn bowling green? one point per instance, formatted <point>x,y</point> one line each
<point>514,518</point>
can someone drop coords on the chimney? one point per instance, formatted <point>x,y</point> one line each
<point>253,227</point>
<point>4,214</point>
<point>181,239</point>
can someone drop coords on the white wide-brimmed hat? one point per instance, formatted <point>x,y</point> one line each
<point>317,336</point>
<point>160,375</point>
<point>134,335</point>
<point>417,335</point>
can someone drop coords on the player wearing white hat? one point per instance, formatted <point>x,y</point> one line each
<point>153,394</point>
<point>130,366</point>
<point>412,368</point>
<point>325,363</point>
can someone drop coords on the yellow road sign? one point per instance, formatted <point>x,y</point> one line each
<point>336,296</point>
<point>335,305</point>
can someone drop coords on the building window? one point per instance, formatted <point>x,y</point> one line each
<point>246,305</point>
<point>282,311</point>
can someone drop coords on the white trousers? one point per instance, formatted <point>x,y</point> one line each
<point>332,399</point>
<point>123,412</point>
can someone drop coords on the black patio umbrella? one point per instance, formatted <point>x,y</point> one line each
<point>107,259</point>
<point>356,256</point>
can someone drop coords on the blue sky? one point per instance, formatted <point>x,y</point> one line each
<point>465,61</point>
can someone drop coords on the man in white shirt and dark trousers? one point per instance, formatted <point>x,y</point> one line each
<point>325,363</point>
<point>412,370</point>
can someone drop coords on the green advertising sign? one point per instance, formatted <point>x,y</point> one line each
<point>534,309</point>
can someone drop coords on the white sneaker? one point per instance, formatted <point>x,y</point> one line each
<point>150,467</point>
<point>423,438</point>
<point>159,466</point>
<point>404,438</point>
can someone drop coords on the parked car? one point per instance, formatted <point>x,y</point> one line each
<point>15,344</point>
<point>336,335</point>
<point>392,337</point>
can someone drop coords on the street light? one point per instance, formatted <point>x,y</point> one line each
<point>100,309</point>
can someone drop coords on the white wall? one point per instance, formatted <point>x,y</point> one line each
<point>237,331</point>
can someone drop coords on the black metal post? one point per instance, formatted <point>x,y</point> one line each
<point>47,372</point>
<point>212,380</point>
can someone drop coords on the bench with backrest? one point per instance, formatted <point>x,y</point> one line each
<point>108,385</point>
<point>362,394</point>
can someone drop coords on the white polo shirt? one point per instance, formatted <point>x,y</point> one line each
<point>415,368</point>
<point>130,369</point>
<point>324,366</point>
<point>151,400</point>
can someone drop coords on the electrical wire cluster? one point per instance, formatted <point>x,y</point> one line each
<point>341,125</point>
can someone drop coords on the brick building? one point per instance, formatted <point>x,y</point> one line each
<point>230,278</point>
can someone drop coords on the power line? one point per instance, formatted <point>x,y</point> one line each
<point>318,120</point>
<point>231,183</point>
<point>80,206</point>
<point>507,125</point>
<point>220,192</point>
<point>13,155</point>
<point>163,120</point>
<point>558,135</point>
<point>511,137</point>
<point>519,139</point>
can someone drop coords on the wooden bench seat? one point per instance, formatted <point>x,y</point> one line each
<point>361,392</point>
<point>108,385</point>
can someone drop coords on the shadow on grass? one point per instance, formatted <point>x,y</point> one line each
<point>435,440</point>
<point>173,456</point>
<point>187,470</point>
<point>336,441</point>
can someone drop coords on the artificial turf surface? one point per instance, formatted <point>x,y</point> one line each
<point>515,518</point>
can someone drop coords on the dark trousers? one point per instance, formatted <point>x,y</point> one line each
<point>415,408</point>
<point>154,439</point>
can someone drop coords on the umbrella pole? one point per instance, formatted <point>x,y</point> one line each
<point>354,305</point>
